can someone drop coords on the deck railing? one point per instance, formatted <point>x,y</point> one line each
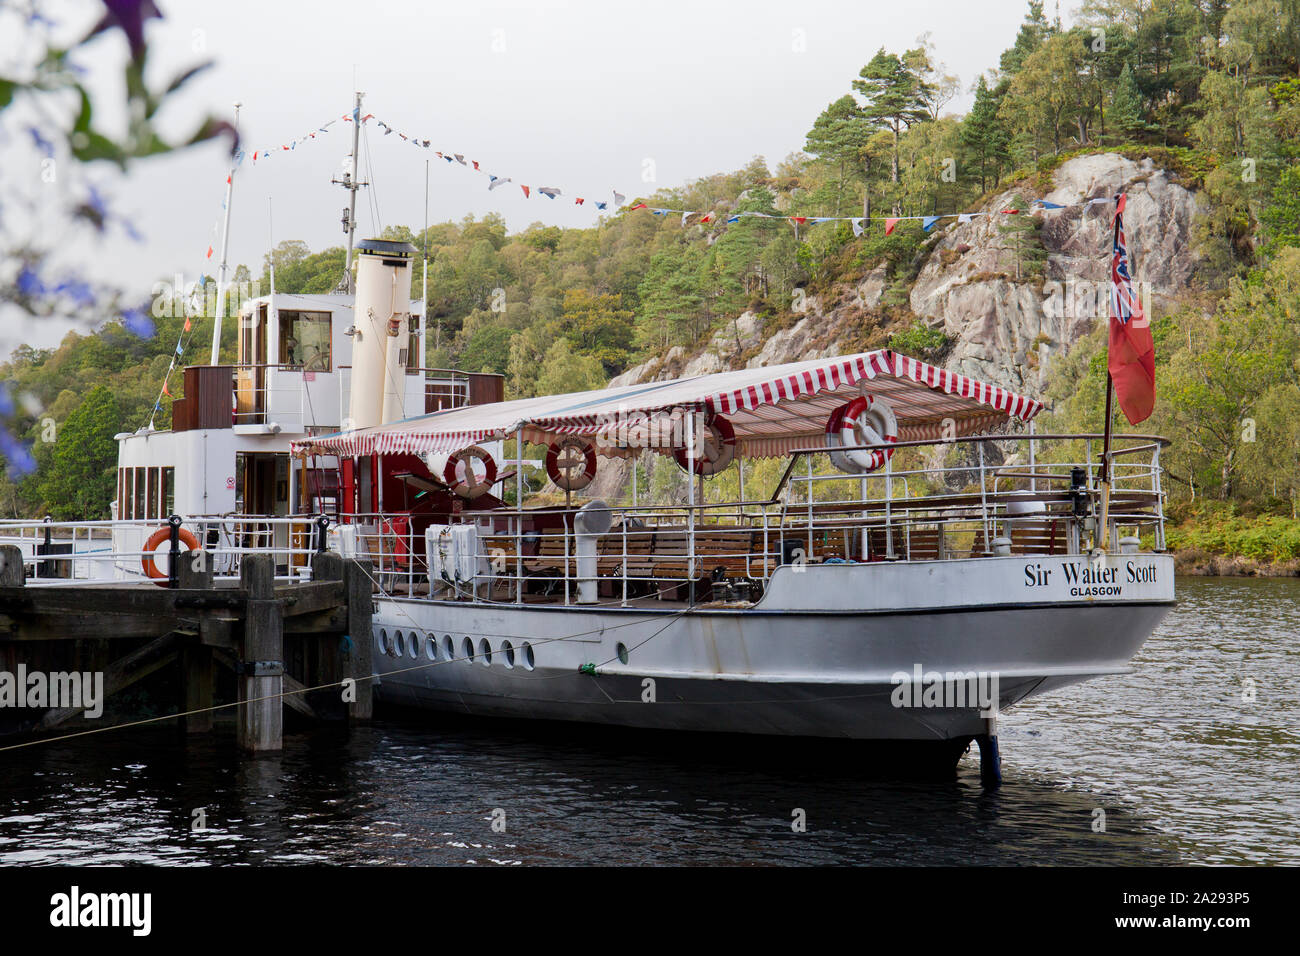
<point>1036,504</point>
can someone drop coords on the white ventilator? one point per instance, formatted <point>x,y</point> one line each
<point>381,324</point>
<point>592,520</point>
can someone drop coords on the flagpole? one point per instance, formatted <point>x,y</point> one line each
<point>1105,469</point>
<point>225,246</point>
<point>1104,531</point>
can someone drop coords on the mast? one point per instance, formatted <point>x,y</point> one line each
<point>351,181</point>
<point>225,245</point>
<point>424,281</point>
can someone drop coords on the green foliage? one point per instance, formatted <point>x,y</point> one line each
<point>78,479</point>
<point>918,340</point>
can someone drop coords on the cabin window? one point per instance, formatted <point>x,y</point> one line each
<point>125,499</point>
<point>139,493</point>
<point>151,498</point>
<point>305,340</point>
<point>167,491</point>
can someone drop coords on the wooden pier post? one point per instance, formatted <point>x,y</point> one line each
<point>197,677</point>
<point>11,567</point>
<point>357,660</point>
<point>261,722</point>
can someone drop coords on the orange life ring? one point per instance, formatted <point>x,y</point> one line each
<point>458,474</point>
<point>717,448</point>
<point>157,538</point>
<point>571,478</point>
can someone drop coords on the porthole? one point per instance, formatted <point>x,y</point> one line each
<point>467,646</point>
<point>383,641</point>
<point>508,652</point>
<point>448,648</point>
<point>485,652</point>
<point>413,645</point>
<point>395,648</point>
<point>622,653</point>
<point>528,655</point>
<point>431,648</point>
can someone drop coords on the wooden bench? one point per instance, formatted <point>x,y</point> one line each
<point>1039,536</point>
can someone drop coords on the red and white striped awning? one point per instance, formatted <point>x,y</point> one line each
<point>773,410</point>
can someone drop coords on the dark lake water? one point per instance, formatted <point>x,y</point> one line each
<point>1184,769</point>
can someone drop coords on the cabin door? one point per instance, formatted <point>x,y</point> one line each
<point>265,483</point>
<point>250,379</point>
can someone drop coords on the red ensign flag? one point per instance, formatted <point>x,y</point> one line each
<point>1131,357</point>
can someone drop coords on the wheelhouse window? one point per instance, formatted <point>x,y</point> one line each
<point>305,341</point>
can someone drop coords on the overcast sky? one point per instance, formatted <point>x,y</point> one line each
<point>577,95</point>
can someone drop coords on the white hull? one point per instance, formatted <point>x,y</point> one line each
<point>803,662</point>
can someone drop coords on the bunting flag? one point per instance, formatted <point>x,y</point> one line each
<point>494,180</point>
<point>291,145</point>
<point>1130,354</point>
<point>858,223</point>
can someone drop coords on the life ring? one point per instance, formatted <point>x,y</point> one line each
<point>833,426</point>
<point>571,477</point>
<point>459,473</point>
<point>717,448</point>
<point>157,538</point>
<point>868,420</point>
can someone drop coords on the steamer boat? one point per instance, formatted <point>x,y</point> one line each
<point>897,555</point>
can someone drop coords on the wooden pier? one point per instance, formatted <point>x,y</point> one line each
<point>278,639</point>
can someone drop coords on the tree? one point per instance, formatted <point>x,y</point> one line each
<point>837,138</point>
<point>896,93</point>
<point>983,134</point>
<point>1033,31</point>
<point>565,371</point>
<point>670,296</point>
<point>1126,114</point>
<point>80,477</point>
<point>1021,232</point>
<point>597,326</point>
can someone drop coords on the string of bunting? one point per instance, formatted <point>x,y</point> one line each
<point>187,330</point>
<point>891,222</point>
<point>494,181</point>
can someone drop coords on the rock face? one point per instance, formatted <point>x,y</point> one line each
<point>1004,328</point>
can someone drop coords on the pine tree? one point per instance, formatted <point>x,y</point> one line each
<point>1126,105</point>
<point>896,95</point>
<point>838,136</point>
<point>982,133</point>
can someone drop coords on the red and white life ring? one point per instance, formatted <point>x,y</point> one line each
<point>571,462</point>
<point>867,420</point>
<point>833,426</point>
<point>467,479</point>
<point>716,448</point>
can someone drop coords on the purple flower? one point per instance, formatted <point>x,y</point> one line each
<point>130,16</point>
<point>43,144</point>
<point>16,455</point>
<point>137,322</point>
<point>6,402</point>
<point>78,291</point>
<point>29,283</point>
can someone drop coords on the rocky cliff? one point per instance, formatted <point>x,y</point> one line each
<point>1003,323</point>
